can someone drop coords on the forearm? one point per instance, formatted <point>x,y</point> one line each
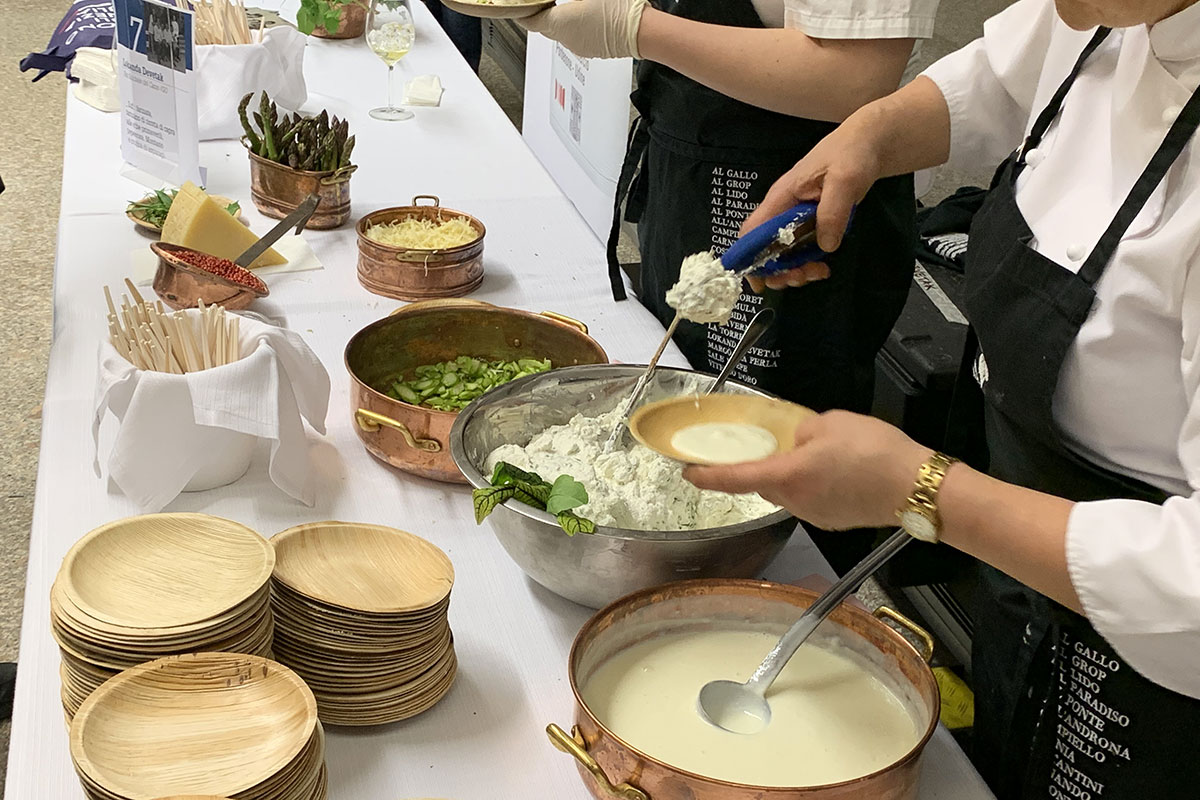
<point>908,130</point>
<point>1016,530</point>
<point>778,69</point>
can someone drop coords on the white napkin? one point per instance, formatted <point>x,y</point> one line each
<point>299,254</point>
<point>423,90</point>
<point>227,72</point>
<point>96,72</point>
<point>166,419</point>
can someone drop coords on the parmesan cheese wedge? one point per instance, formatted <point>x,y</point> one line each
<point>199,222</point>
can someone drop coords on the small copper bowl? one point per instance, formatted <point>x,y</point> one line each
<point>181,285</point>
<point>611,768</point>
<point>278,190</point>
<point>417,439</point>
<point>419,274</point>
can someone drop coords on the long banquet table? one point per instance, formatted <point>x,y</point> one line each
<point>485,741</point>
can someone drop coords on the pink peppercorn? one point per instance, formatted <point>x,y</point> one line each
<point>222,268</point>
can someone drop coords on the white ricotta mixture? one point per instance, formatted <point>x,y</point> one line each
<point>636,489</point>
<point>705,291</point>
<point>724,442</point>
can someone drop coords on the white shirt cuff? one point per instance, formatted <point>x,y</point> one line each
<point>849,26</point>
<point>1135,567</point>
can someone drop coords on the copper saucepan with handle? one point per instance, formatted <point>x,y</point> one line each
<point>614,770</point>
<point>415,438</point>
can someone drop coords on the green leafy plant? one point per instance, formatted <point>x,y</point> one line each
<point>558,498</point>
<point>325,14</point>
<point>154,208</point>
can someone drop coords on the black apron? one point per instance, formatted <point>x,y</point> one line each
<point>1058,713</point>
<point>698,163</point>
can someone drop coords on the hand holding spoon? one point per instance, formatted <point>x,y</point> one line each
<point>742,707</point>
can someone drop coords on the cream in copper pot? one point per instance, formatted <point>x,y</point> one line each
<point>832,720</point>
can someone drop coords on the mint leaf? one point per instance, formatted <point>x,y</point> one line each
<point>233,208</point>
<point>306,19</point>
<point>572,524</point>
<point>486,499</point>
<point>567,493</point>
<point>506,474</point>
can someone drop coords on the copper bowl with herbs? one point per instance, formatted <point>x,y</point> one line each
<point>427,338</point>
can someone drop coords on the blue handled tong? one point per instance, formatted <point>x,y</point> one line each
<point>784,242</point>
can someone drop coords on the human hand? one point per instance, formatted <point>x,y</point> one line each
<point>592,28</point>
<point>847,471</point>
<point>837,174</point>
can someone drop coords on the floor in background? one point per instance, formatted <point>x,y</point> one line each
<point>31,166</point>
<point>31,163</point>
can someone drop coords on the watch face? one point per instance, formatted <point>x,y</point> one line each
<point>918,526</point>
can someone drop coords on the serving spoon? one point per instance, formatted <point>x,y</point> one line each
<point>743,707</point>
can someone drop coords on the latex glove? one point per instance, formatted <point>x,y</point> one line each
<point>847,471</point>
<point>592,28</point>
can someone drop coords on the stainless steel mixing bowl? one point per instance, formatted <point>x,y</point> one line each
<point>595,569</point>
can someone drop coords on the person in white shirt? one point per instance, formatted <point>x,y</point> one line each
<point>730,93</point>
<point>1083,293</point>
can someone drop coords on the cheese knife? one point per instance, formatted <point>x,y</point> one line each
<point>297,219</point>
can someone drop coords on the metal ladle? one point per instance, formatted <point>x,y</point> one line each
<point>743,707</point>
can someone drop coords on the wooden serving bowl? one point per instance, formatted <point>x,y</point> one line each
<point>498,10</point>
<point>656,424</point>
<point>181,285</point>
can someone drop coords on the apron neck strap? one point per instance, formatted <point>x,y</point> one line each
<point>1177,138</point>
<point>1046,118</point>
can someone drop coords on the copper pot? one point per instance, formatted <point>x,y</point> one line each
<point>416,439</point>
<point>352,25</point>
<point>419,274</point>
<point>278,190</point>
<point>180,285</point>
<point>610,768</point>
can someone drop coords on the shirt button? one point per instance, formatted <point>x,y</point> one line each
<point>1034,157</point>
<point>1170,113</point>
<point>1077,252</point>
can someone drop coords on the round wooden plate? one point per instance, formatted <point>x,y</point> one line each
<point>369,568</point>
<point>498,10</point>
<point>165,570</point>
<point>213,723</point>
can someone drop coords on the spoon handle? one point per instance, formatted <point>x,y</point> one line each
<point>821,608</point>
<point>754,331</point>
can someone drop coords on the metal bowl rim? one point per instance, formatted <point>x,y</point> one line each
<point>479,481</point>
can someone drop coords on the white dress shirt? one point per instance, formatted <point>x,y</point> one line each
<point>851,19</point>
<point>1127,397</point>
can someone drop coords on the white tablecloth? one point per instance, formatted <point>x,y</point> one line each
<point>485,741</point>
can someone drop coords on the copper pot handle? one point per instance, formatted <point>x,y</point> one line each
<point>441,302</point>
<point>564,319</point>
<point>437,202</point>
<point>370,421</point>
<point>889,614</point>
<point>574,745</point>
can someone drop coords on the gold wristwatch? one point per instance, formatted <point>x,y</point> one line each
<point>919,515</point>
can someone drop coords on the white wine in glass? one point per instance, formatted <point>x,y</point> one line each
<point>390,35</point>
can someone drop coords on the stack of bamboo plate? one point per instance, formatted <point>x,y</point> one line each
<point>157,585</point>
<point>209,724</point>
<point>360,614</point>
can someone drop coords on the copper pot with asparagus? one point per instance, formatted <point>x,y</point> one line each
<point>293,156</point>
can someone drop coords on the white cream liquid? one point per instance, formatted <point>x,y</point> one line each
<point>724,442</point>
<point>831,719</point>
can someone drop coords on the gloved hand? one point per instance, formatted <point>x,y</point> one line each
<point>592,28</point>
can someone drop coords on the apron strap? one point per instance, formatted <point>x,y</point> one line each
<point>635,148</point>
<point>1177,138</point>
<point>1046,118</point>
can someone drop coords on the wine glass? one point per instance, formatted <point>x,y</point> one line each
<point>390,35</point>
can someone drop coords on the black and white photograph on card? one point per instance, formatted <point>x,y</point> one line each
<point>165,43</point>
